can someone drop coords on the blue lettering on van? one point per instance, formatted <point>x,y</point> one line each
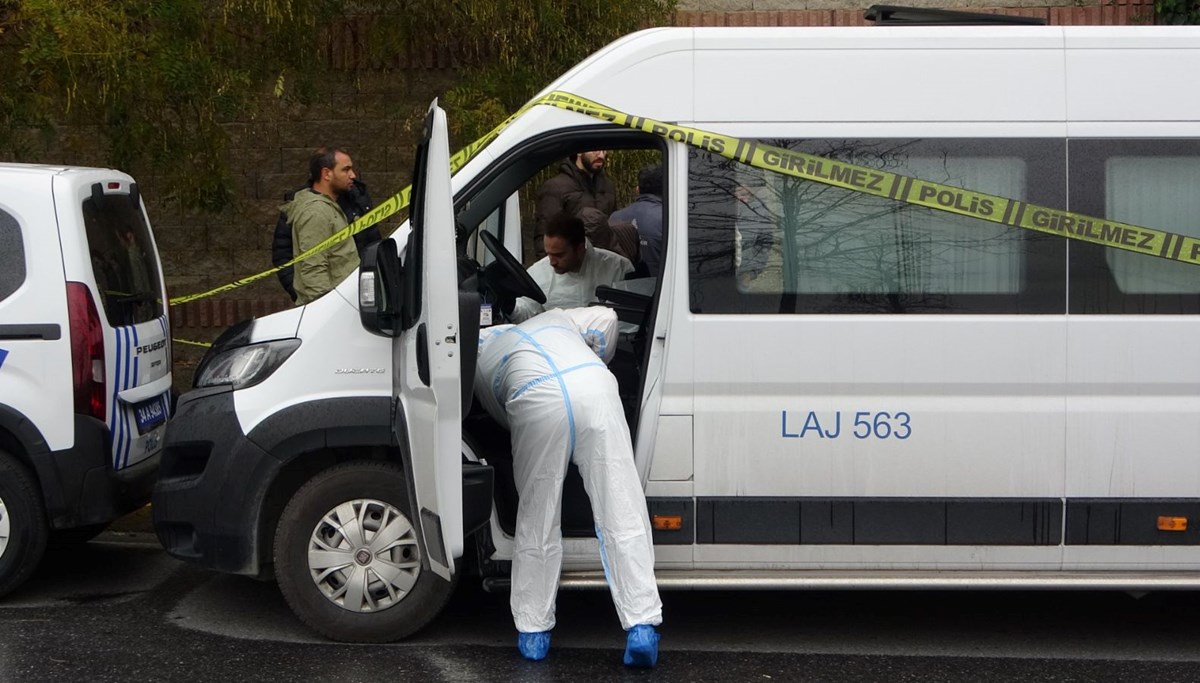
<point>867,424</point>
<point>3,355</point>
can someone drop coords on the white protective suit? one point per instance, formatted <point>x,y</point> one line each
<point>572,290</point>
<point>545,379</point>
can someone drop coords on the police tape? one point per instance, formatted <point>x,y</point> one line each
<point>189,342</point>
<point>863,179</point>
<point>382,211</point>
<point>905,189</point>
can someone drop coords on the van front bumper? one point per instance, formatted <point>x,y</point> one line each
<point>219,490</point>
<point>211,483</point>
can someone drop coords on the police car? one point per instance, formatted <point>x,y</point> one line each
<point>85,358</point>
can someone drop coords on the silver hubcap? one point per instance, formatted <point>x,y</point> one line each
<point>362,555</point>
<point>5,527</point>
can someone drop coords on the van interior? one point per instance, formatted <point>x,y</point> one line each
<point>502,200</point>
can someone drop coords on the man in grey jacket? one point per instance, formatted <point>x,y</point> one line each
<point>315,216</point>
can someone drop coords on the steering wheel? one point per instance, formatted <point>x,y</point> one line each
<point>506,271</point>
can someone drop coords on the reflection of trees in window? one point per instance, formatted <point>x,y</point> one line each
<point>853,250</point>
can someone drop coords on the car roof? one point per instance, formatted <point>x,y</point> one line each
<point>41,169</point>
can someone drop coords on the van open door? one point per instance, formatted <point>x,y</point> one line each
<point>426,356</point>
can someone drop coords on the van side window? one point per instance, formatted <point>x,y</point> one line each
<point>123,261</point>
<point>12,255</point>
<point>763,242</point>
<point>1154,183</point>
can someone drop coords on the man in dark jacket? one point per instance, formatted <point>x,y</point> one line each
<point>646,214</point>
<point>355,203</point>
<point>581,183</point>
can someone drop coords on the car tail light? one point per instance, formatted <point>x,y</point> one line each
<point>87,351</point>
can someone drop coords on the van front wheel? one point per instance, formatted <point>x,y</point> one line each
<point>348,556</point>
<point>23,528</point>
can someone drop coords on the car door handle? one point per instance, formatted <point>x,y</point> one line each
<point>47,331</point>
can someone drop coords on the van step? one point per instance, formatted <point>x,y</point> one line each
<point>902,580</point>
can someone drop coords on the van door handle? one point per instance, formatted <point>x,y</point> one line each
<point>47,331</point>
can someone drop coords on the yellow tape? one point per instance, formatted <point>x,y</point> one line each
<point>906,189</point>
<point>385,209</point>
<point>988,207</point>
<point>190,342</point>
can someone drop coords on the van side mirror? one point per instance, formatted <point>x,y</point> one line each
<point>380,289</point>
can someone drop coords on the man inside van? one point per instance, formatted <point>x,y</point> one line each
<point>646,214</point>
<point>581,183</point>
<point>315,216</point>
<point>570,271</point>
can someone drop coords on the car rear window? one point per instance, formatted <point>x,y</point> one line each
<point>123,259</point>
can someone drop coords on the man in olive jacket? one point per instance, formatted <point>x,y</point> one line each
<point>315,215</point>
<point>581,183</point>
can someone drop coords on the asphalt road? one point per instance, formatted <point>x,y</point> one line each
<point>119,609</point>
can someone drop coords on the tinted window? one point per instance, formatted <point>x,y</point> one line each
<point>123,259</point>
<point>762,242</point>
<point>1151,183</point>
<point>12,256</point>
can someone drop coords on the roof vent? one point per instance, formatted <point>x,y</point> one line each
<point>892,15</point>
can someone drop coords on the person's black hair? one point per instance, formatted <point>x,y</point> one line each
<point>322,157</point>
<point>650,180</point>
<point>567,226</point>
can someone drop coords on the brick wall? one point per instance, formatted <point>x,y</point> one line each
<point>1115,12</point>
<point>370,114</point>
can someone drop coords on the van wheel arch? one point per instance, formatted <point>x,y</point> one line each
<point>293,475</point>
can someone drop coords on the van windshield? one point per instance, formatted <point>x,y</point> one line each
<point>123,259</point>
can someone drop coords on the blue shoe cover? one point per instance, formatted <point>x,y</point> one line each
<point>534,646</point>
<point>641,646</point>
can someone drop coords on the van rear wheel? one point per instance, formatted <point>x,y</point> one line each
<point>348,556</point>
<point>23,528</point>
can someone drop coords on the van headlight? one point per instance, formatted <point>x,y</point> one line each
<point>246,366</point>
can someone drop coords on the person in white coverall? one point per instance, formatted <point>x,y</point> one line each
<point>570,271</point>
<point>547,381</point>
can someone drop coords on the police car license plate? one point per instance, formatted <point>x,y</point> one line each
<point>149,414</point>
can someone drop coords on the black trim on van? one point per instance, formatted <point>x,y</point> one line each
<point>932,521</point>
<point>879,521</point>
<point>47,331</point>
<point>351,421</point>
<point>1125,521</point>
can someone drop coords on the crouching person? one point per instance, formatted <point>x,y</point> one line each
<point>547,380</point>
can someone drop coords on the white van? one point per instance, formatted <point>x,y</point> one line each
<point>826,388</point>
<point>85,358</point>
